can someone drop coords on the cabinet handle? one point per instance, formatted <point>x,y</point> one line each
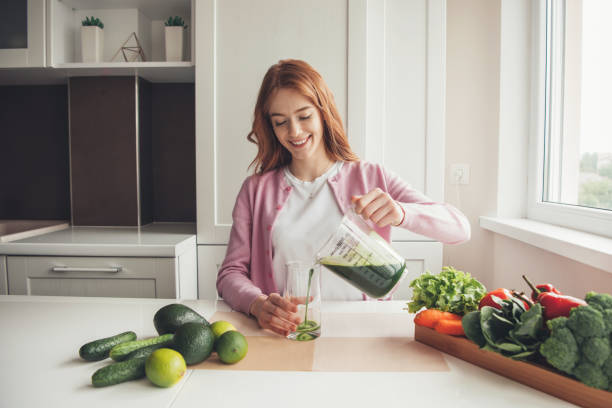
<point>76,269</point>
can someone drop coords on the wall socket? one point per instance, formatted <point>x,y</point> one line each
<point>460,173</point>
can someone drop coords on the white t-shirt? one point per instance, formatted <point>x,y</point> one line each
<point>306,221</point>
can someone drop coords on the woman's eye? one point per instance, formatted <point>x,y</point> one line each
<point>305,117</point>
<point>280,123</point>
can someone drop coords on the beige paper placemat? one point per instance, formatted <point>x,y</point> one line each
<point>243,323</point>
<point>268,353</point>
<point>375,354</point>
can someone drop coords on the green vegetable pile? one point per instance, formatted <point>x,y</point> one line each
<point>450,291</point>
<point>512,330</point>
<point>579,345</point>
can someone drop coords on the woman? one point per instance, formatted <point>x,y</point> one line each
<point>306,177</point>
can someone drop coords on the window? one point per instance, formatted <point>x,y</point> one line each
<point>571,183</point>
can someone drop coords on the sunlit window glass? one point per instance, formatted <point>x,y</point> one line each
<point>578,148</point>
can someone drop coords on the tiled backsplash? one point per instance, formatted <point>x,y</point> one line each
<point>34,151</point>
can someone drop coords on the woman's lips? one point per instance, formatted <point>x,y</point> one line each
<point>304,142</point>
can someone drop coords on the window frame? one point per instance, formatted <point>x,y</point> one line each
<point>596,221</point>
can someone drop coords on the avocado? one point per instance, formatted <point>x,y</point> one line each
<point>170,317</point>
<point>194,341</point>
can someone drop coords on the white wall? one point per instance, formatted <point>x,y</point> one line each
<point>472,95</point>
<point>472,128</point>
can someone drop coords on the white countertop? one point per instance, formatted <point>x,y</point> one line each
<point>156,239</point>
<point>39,365</point>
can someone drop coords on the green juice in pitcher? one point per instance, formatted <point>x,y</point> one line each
<point>376,280</point>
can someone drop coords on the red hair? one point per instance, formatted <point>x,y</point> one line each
<point>301,77</point>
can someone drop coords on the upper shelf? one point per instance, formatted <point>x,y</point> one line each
<point>122,19</point>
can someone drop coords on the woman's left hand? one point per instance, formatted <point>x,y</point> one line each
<point>379,207</point>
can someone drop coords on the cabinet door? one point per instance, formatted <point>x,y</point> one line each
<point>396,92</point>
<point>23,33</point>
<point>420,257</point>
<point>91,276</point>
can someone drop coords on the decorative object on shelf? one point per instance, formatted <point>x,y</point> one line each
<point>92,39</point>
<point>174,28</point>
<point>131,52</point>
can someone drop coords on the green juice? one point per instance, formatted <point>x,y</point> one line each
<point>308,329</point>
<point>374,280</point>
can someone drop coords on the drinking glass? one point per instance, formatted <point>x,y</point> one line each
<point>303,288</point>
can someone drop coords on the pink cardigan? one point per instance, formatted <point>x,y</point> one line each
<point>246,271</point>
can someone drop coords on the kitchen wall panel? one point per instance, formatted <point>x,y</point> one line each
<point>173,131</point>
<point>34,169</point>
<point>103,148</point>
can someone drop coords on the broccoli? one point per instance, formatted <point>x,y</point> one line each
<point>586,321</point>
<point>591,375</point>
<point>560,349</point>
<point>600,301</point>
<point>596,350</point>
<point>581,345</point>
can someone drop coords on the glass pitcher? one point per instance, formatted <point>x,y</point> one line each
<point>361,257</point>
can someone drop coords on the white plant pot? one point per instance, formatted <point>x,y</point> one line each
<point>92,43</point>
<point>174,43</point>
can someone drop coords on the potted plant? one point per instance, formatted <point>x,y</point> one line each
<point>174,28</point>
<point>92,39</point>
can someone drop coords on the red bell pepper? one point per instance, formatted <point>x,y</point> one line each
<point>555,304</point>
<point>501,293</point>
<point>545,287</point>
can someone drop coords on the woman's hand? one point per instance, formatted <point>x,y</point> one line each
<point>379,207</point>
<point>275,313</point>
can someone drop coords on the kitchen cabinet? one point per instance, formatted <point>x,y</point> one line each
<point>154,261</point>
<point>54,40</point>
<point>22,38</point>
<point>383,60</point>
<point>93,276</point>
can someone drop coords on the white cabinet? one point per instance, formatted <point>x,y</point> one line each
<point>3,276</point>
<point>96,276</point>
<point>384,61</point>
<point>210,258</point>
<point>22,43</point>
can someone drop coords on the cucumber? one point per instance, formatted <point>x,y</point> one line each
<point>145,351</point>
<point>99,349</point>
<point>121,351</point>
<point>119,372</point>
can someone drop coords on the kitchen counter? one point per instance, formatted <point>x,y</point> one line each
<point>153,240</point>
<point>40,364</point>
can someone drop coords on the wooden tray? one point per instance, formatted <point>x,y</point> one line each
<point>532,375</point>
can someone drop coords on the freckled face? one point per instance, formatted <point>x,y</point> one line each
<point>297,125</point>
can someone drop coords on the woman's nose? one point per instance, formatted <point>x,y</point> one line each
<point>294,128</point>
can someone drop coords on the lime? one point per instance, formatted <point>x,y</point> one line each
<point>231,347</point>
<point>221,326</point>
<point>165,367</point>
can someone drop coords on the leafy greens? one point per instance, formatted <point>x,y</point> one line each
<point>450,291</point>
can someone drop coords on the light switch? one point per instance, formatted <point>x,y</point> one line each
<point>460,173</point>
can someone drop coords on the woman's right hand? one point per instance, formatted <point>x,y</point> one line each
<point>275,313</point>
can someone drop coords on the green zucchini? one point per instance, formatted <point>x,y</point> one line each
<point>119,372</point>
<point>99,349</point>
<point>145,351</point>
<point>121,351</point>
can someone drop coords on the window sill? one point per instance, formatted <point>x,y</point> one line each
<point>590,249</point>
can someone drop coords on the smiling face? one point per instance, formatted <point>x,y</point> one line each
<point>298,127</point>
